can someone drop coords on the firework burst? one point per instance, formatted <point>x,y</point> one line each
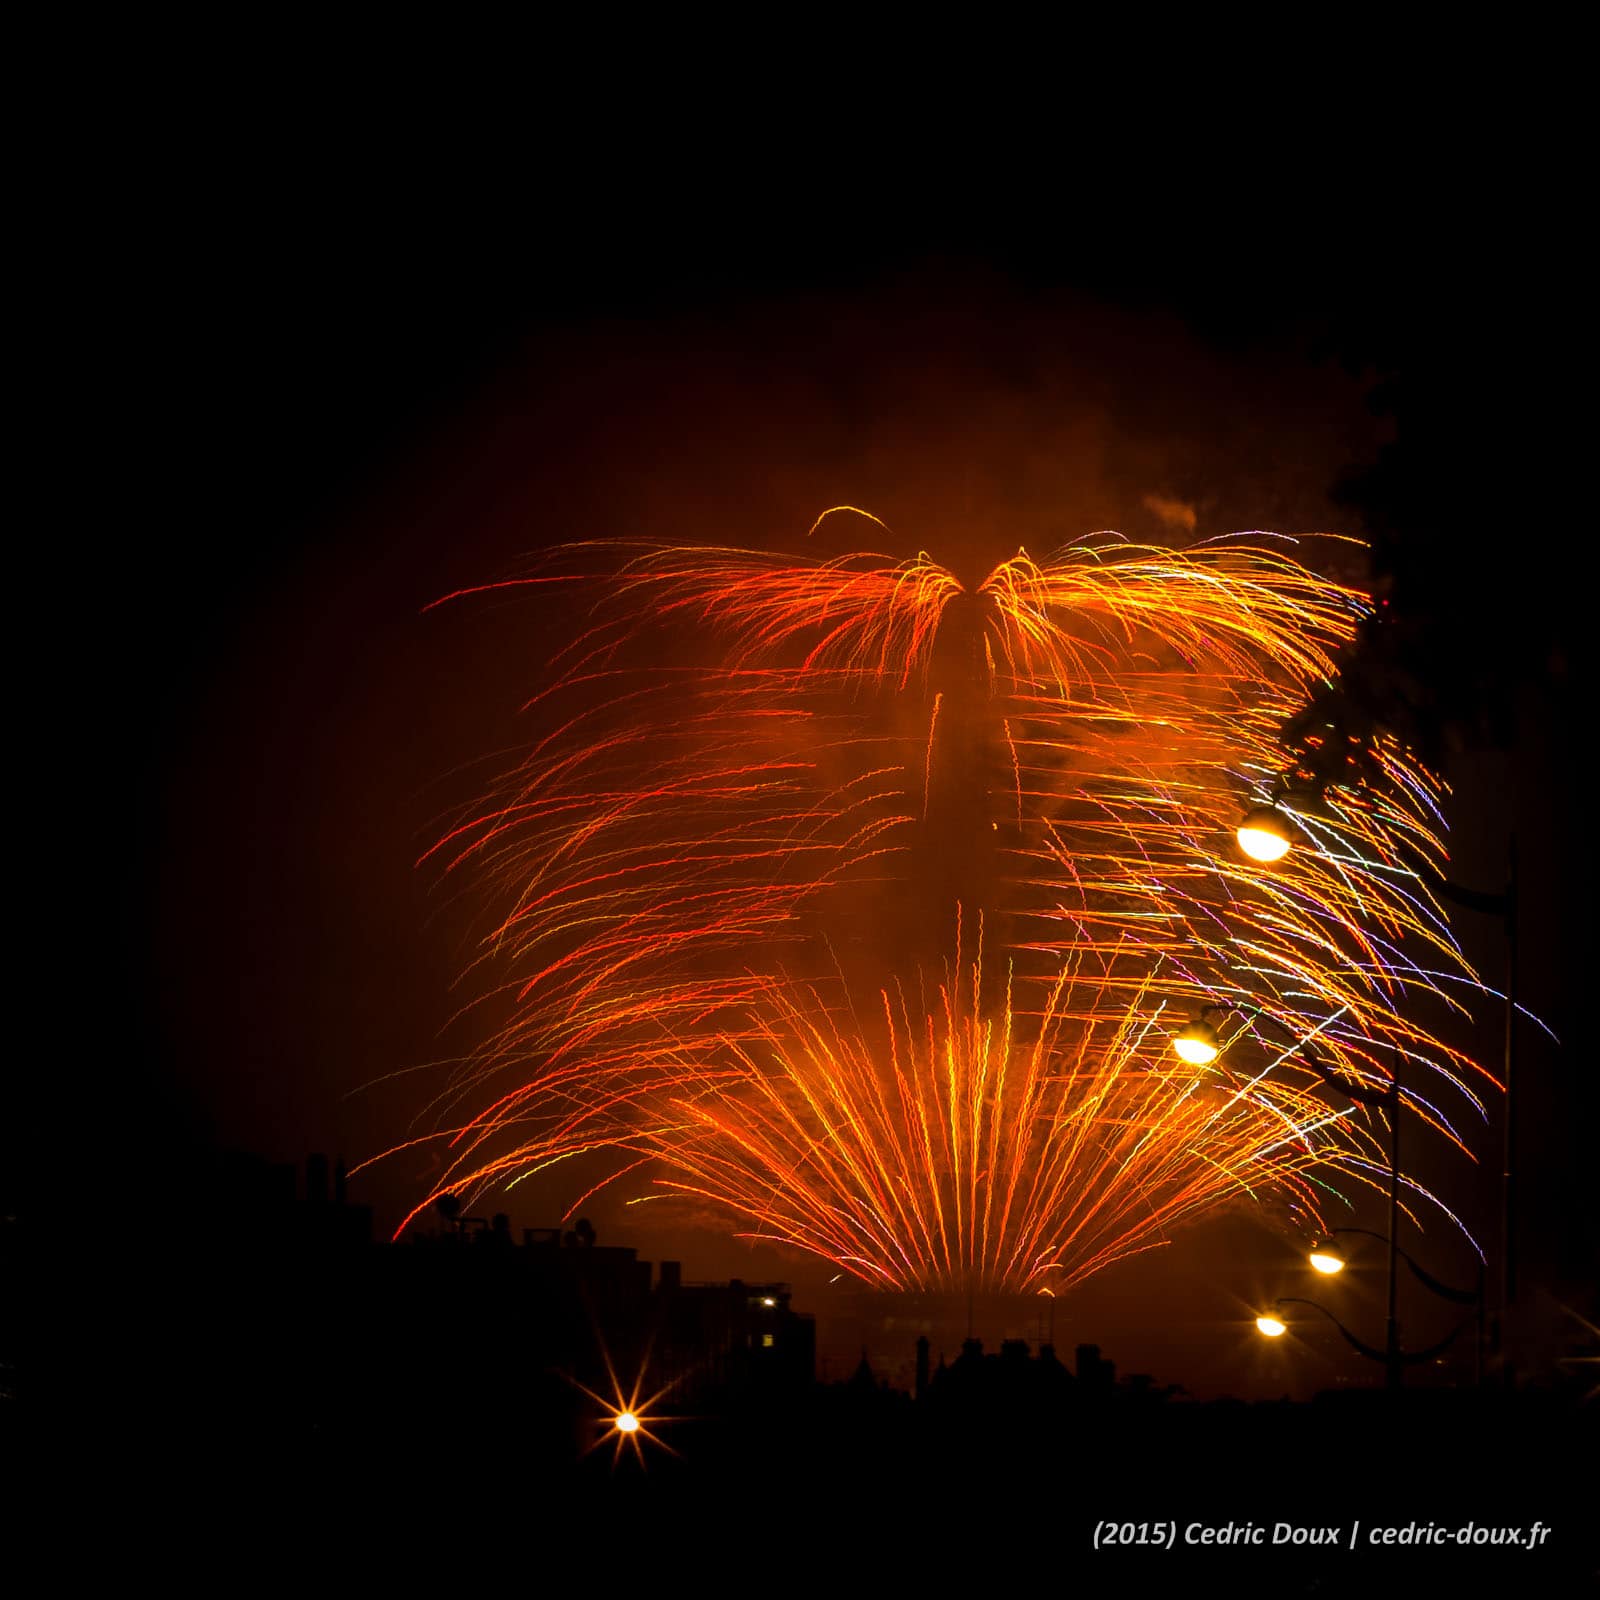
<point>758,784</point>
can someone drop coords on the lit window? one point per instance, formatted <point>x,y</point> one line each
<point>766,1341</point>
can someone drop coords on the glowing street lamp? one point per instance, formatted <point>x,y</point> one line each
<point>1265,834</point>
<point>625,1422</point>
<point>1197,1042</point>
<point>1326,1257</point>
<point>1274,1324</point>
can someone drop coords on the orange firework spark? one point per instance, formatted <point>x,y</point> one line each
<point>744,758</point>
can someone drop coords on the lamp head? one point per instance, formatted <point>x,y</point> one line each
<point>1265,834</point>
<point>1326,1257</point>
<point>1197,1043</point>
<point>1271,1326</point>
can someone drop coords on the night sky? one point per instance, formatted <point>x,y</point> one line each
<point>365,379</point>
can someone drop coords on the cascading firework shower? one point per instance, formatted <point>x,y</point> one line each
<point>857,907</point>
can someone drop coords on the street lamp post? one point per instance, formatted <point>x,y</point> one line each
<point>1329,1261</point>
<point>1266,836</point>
<point>1504,906</point>
<point>1274,1325</point>
<point>1388,1098</point>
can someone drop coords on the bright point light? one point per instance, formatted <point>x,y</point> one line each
<point>626,1422</point>
<point>1197,1043</point>
<point>1273,1327</point>
<point>1263,835</point>
<point>1326,1258</point>
<point>767,1300</point>
<point>1260,845</point>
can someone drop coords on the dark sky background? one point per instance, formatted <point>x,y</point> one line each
<point>370,375</point>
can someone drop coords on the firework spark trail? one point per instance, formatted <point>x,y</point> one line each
<point>668,859</point>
